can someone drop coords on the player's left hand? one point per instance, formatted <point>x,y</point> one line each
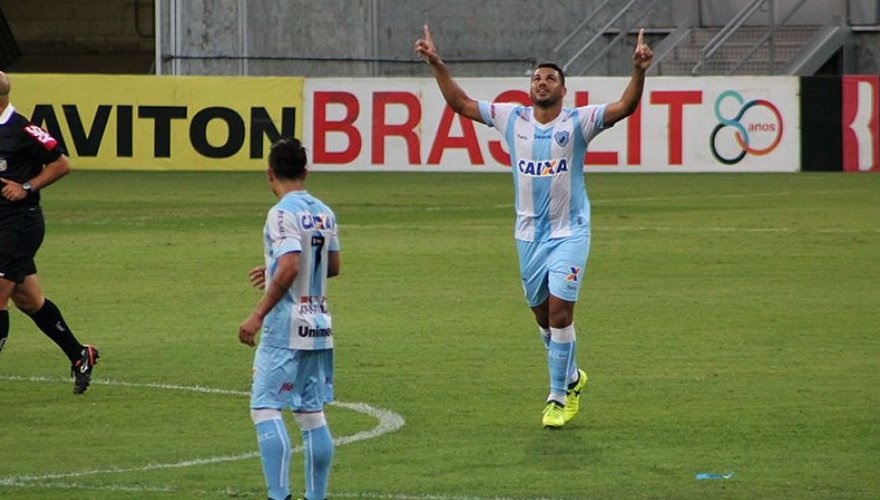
<point>642,55</point>
<point>247,331</point>
<point>425,47</point>
<point>257,277</point>
<point>12,190</point>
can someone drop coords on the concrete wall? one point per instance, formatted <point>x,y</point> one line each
<point>354,38</point>
<point>338,37</point>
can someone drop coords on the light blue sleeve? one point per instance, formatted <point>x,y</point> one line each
<point>592,120</point>
<point>484,112</point>
<point>284,232</point>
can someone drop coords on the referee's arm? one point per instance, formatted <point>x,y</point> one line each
<point>51,173</point>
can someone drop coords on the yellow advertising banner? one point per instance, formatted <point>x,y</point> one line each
<point>129,122</point>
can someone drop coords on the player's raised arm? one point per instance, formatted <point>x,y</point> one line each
<point>629,101</point>
<point>457,99</point>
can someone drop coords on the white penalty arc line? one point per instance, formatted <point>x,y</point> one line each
<point>388,421</point>
<point>768,230</point>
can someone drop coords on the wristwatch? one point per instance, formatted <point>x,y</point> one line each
<point>27,187</point>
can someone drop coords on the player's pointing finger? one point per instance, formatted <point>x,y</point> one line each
<point>640,42</point>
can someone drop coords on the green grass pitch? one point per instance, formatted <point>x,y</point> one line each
<point>728,323</point>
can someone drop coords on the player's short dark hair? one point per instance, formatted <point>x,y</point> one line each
<point>557,68</point>
<point>287,159</point>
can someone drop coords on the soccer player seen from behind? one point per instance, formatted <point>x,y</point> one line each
<point>547,144</point>
<point>31,160</point>
<point>293,365</point>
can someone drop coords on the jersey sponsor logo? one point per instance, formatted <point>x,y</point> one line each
<point>313,309</point>
<point>316,221</point>
<point>41,136</point>
<point>3,165</point>
<point>543,168</point>
<point>312,305</point>
<point>306,332</point>
<point>573,274</point>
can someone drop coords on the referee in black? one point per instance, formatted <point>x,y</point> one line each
<point>30,160</point>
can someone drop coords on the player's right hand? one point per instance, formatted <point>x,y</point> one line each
<point>12,190</point>
<point>425,47</point>
<point>257,277</point>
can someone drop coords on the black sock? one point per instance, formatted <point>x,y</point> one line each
<point>49,320</point>
<point>4,327</point>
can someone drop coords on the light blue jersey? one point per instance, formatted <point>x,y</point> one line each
<point>547,161</point>
<point>300,223</point>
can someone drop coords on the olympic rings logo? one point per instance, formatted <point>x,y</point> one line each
<point>741,133</point>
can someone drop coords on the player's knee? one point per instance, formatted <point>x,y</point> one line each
<point>309,421</point>
<point>27,300</point>
<point>259,415</point>
<point>561,319</point>
<point>561,313</point>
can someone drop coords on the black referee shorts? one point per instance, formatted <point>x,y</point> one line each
<point>21,234</point>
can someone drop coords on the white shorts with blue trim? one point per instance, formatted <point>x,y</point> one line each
<point>301,380</point>
<point>553,267</point>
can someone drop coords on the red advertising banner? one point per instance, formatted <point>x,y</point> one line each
<point>860,125</point>
<point>743,124</point>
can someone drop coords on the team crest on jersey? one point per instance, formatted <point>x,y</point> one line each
<point>542,168</point>
<point>562,137</point>
<point>3,166</point>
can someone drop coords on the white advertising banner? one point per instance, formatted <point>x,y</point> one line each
<point>731,124</point>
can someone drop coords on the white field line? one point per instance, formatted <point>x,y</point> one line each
<point>388,421</point>
<point>656,229</point>
<point>95,487</point>
<point>598,201</point>
<point>229,492</point>
<point>402,496</point>
<point>719,229</point>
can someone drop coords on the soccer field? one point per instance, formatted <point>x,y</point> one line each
<point>727,322</point>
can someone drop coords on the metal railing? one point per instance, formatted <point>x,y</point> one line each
<point>734,25</point>
<point>769,37</point>
<point>667,46</point>
<point>602,31</point>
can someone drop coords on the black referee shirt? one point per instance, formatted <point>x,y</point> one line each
<point>24,150</point>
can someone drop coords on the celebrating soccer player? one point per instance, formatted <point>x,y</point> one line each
<point>547,144</point>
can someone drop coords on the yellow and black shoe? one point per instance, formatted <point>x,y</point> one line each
<point>554,415</point>
<point>573,396</point>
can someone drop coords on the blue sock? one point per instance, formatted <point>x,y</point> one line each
<point>318,453</point>
<point>561,358</point>
<point>274,445</point>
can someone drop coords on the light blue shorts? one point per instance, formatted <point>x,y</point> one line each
<point>290,378</point>
<point>553,267</point>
